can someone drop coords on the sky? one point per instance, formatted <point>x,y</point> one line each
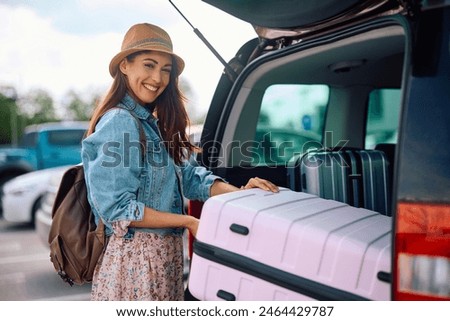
<point>62,45</point>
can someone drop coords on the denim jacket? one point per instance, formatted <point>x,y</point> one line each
<point>120,184</point>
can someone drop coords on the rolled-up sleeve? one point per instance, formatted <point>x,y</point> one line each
<point>113,167</point>
<point>197,181</point>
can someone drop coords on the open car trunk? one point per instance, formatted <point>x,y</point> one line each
<point>367,62</point>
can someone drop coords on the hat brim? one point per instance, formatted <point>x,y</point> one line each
<point>116,60</point>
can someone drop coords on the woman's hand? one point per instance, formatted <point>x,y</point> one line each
<point>261,183</point>
<point>220,187</point>
<point>192,225</point>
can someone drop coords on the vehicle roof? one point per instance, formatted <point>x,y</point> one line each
<point>57,126</point>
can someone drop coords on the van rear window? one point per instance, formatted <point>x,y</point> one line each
<point>382,117</point>
<point>71,137</point>
<point>291,118</point>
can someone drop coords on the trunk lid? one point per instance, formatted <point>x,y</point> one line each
<point>297,18</point>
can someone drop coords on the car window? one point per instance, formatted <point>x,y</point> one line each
<point>29,140</point>
<point>383,117</point>
<point>291,119</point>
<point>66,137</point>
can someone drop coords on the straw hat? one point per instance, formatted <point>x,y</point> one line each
<point>145,36</point>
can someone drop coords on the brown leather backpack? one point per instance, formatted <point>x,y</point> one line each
<point>76,241</point>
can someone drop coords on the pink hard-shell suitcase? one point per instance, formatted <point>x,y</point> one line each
<point>257,245</point>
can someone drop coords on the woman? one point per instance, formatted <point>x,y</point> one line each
<point>139,201</point>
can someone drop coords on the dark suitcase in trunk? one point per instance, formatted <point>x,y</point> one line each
<point>357,177</point>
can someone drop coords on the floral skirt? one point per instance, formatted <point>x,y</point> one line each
<point>147,267</point>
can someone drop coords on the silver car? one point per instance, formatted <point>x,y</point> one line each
<point>23,194</point>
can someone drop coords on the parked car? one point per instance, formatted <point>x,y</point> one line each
<point>42,146</point>
<point>273,145</point>
<point>44,211</point>
<point>23,194</point>
<point>361,74</point>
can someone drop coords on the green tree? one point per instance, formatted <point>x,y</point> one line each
<point>78,108</point>
<point>38,107</point>
<point>8,119</point>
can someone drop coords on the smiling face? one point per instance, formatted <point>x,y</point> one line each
<point>148,74</point>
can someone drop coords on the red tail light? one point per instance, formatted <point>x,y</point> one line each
<point>422,252</point>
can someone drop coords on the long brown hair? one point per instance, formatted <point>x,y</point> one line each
<point>169,107</point>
